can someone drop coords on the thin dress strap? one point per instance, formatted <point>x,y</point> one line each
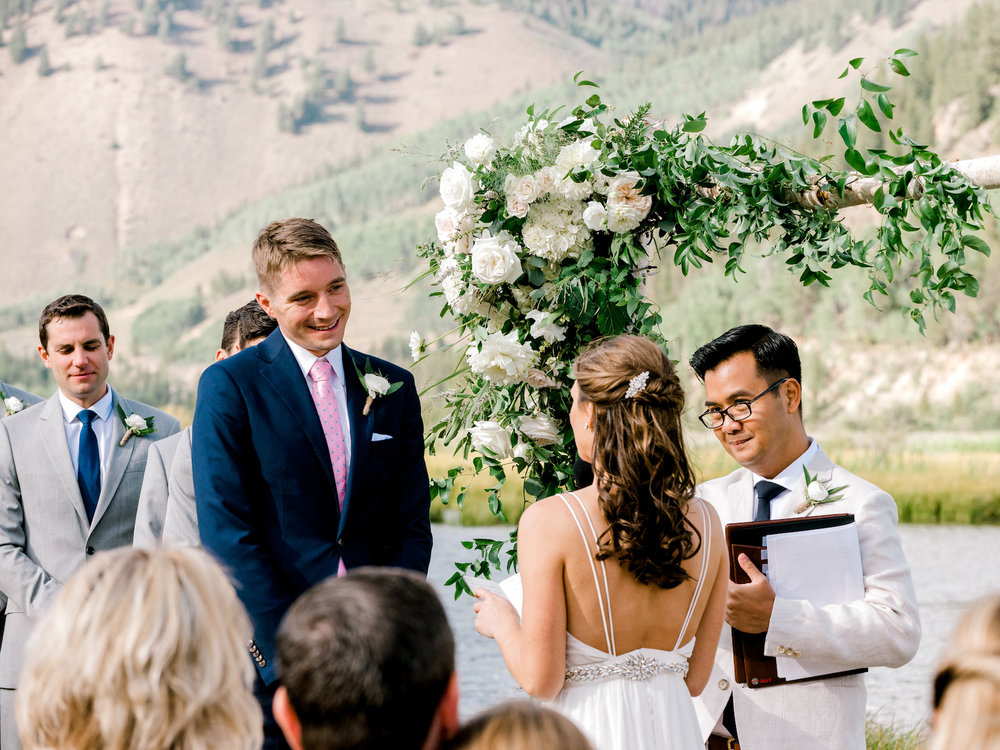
<point>706,546</point>
<point>609,632</point>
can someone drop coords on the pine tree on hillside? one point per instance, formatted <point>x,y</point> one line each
<point>44,68</point>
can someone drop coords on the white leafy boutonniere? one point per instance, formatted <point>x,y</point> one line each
<point>375,385</point>
<point>135,425</point>
<point>11,404</point>
<point>816,492</point>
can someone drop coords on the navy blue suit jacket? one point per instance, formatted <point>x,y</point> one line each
<point>264,485</point>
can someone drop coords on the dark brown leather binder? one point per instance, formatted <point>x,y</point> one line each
<point>750,666</point>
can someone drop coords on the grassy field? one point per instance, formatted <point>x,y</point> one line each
<point>880,736</point>
<point>934,477</point>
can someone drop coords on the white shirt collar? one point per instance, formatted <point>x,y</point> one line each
<point>792,473</point>
<point>307,359</point>
<point>102,408</point>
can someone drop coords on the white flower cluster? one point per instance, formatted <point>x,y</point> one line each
<point>554,230</point>
<point>501,358</point>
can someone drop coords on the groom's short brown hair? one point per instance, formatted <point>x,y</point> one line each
<point>282,243</point>
<point>366,659</point>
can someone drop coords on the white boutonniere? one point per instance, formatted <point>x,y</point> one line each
<point>11,404</point>
<point>134,425</point>
<point>375,385</point>
<point>816,492</point>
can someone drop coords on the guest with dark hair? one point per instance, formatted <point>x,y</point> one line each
<point>367,660</point>
<point>753,405</point>
<point>623,581</point>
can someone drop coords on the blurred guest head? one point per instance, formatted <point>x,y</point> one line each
<point>142,649</point>
<point>519,725</point>
<point>967,684</point>
<point>255,324</point>
<point>367,661</point>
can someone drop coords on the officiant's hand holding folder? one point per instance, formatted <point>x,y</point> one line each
<point>817,558</point>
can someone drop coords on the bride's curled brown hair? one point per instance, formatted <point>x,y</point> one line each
<point>644,480</point>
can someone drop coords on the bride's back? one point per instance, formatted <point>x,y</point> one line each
<point>652,535</point>
<point>643,615</point>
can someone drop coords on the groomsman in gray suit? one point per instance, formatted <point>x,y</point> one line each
<point>15,399</point>
<point>166,502</point>
<point>753,404</point>
<point>70,474</point>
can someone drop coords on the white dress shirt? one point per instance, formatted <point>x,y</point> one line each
<point>335,357</point>
<point>104,428</point>
<point>793,472</point>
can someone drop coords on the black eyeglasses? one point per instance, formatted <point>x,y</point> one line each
<point>713,419</point>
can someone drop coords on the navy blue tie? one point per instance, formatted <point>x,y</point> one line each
<point>766,492</point>
<point>88,473</point>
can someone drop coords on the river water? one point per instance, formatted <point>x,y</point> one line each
<point>950,570</point>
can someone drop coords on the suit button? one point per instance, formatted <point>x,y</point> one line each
<point>796,654</point>
<point>723,684</point>
<point>90,550</point>
<point>781,649</point>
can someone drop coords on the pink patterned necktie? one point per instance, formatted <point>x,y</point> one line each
<point>322,380</point>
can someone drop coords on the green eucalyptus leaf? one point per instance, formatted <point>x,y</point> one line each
<point>867,116</point>
<point>869,85</point>
<point>848,129</point>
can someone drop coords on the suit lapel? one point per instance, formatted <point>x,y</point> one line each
<point>820,467</point>
<point>361,426</point>
<point>121,455</point>
<point>54,437</point>
<point>281,371</point>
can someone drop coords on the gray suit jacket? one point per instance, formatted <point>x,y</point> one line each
<point>28,399</point>
<point>881,630</point>
<point>180,526</point>
<point>44,533</point>
<point>155,489</point>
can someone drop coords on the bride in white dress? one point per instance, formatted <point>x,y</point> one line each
<point>624,582</point>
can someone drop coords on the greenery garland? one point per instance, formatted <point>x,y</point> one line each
<point>544,243</point>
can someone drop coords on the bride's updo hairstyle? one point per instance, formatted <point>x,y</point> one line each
<point>644,480</point>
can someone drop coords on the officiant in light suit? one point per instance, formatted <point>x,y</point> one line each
<point>753,397</point>
<point>68,486</point>
<point>301,470</point>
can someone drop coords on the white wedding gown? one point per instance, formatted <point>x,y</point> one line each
<point>634,700</point>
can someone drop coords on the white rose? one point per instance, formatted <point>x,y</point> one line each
<point>480,149</point>
<point>627,207</point>
<point>523,450</point>
<point>495,260</point>
<point>458,187</point>
<point>524,188</point>
<point>446,223</point>
<point>541,330</point>
<point>594,216</point>
<point>376,384</point>
<point>417,345</point>
<point>516,208</point>
<point>135,422</point>
<point>13,404</point>
<point>543,429</point>
<point>580,154</point>
<point>500,358</point>
<point>488,434</point>
<point>538,379</point>
<point>817,492</point>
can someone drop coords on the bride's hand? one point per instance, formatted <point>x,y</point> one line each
<point>493,613</point>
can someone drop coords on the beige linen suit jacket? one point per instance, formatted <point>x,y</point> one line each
<point>881,630</point>
<point>156,488</point>
<point>44,533</point>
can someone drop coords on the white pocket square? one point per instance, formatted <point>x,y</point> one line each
<point>377,436</point>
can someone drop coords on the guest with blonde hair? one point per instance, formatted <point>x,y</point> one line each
<point>519,725</point>
<point>144,650</point>
<point>967,684</point>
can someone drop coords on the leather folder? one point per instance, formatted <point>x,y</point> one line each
<point>751,667</point>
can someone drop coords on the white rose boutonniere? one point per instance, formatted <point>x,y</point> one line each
<point>375,385</point>
<point>816,493</point>
<point>134,425</point>
<point>11,404</point>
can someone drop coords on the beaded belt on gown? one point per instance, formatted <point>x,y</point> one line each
<point>632,667</point>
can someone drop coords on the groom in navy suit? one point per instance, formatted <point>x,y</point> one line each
<point>300,475</point>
